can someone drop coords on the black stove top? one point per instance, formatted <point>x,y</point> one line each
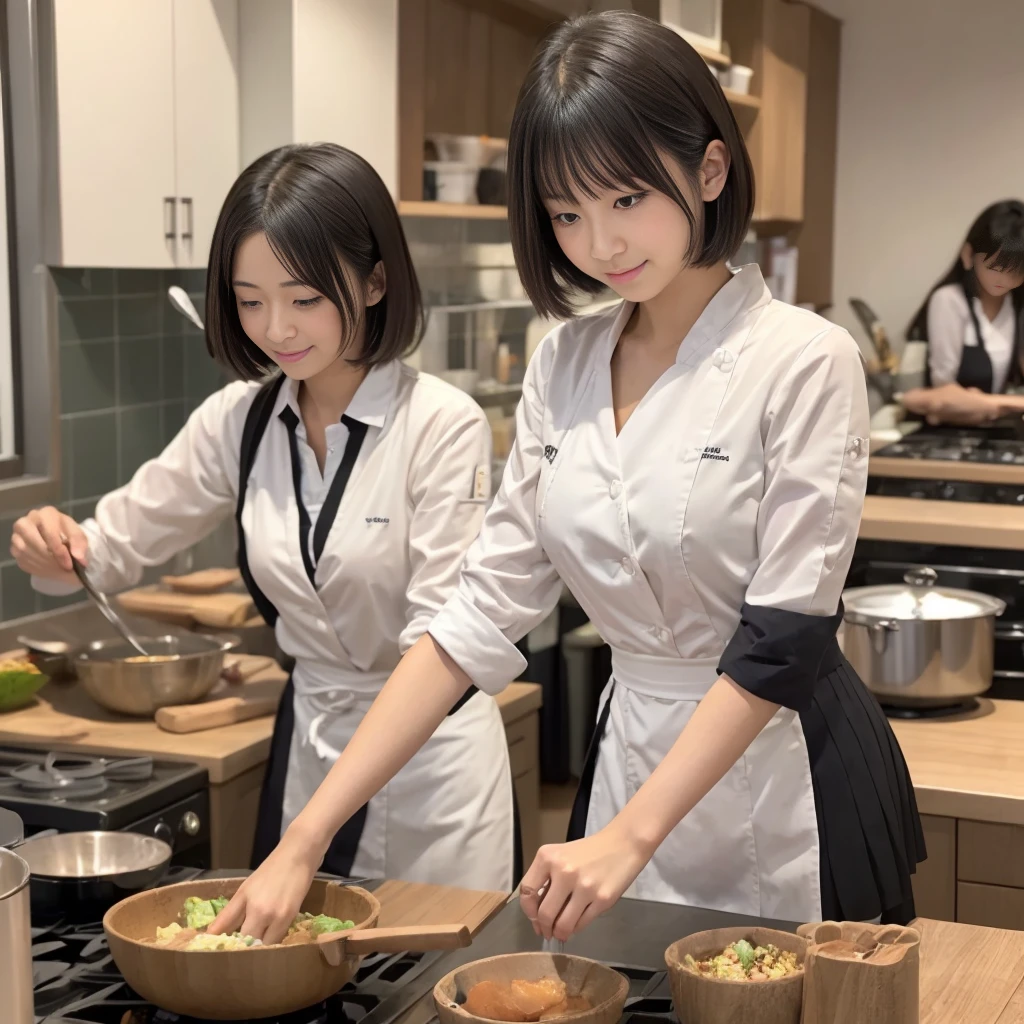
<point>998,445</point>
<point>72,792</point>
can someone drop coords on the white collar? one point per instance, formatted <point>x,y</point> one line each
<point>370,404</point>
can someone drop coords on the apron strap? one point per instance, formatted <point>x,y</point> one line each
<point>581,805</point>
<point>256,421</point>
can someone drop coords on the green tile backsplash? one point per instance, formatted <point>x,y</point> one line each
<point>131,369</point>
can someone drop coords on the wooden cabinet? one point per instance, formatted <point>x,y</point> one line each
<point>935,880</point>
<point>143,129</point>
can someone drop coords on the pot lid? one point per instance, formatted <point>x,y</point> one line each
<point>12,831</point>
<point>919,598</point>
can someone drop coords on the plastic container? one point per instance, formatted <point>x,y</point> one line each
<point>739,78</point>
<point>454,182</point>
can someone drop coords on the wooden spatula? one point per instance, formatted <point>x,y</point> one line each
<point>416,938</point>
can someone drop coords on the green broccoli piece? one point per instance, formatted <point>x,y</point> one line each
<point>322,924</point>
<point>745,951</point>
<point>199,914</point>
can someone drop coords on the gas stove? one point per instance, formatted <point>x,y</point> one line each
<point>77,982</point>
<point>75,792</point>
<point>995,445</point>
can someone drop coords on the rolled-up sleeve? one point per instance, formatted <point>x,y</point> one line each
<point>508,585</point>
<point>947,321</point>
<point>172,501</point>
<point>815,436</point>
<point>449,489</point>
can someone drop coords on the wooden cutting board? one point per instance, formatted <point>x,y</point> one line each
<point>970,975</point>
<point>411,903</point>
<point>221,610</point>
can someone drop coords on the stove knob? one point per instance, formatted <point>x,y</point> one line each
<point>163,831</point>
<point>190,823</point>
<point>948,492</point>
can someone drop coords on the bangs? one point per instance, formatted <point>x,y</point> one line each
<point>1009,258</point>
<point>573,152</point>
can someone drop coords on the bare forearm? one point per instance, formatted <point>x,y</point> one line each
<point>725,723</point>
<point>411,705</point>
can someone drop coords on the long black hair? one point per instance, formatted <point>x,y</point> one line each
<point>998,235</point>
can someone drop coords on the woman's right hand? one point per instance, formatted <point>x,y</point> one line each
<point>37,544</point>
<point>951,403</point>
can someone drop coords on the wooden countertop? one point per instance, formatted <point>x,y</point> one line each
<point>942,522</point>
<point>225,752</point>
<point>970,975</point>
<point>968,766</point>
<point>936,469</point>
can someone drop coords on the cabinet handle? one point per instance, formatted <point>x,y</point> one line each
<point>186,202</point>
<point>170,218</point>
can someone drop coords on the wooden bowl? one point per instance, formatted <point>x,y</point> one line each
<point>606,989</point>
<point>264,981</point>
<point>701,1000</point>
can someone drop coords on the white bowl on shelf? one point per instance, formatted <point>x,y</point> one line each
<point>456,182</point>
<point>464,380</point>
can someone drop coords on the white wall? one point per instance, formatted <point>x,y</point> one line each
<point>931,130</point>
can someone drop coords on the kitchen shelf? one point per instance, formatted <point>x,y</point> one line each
<point>710,56</point>
<point>474,211</point>
<point>476,307</point>
<point>742,99</point>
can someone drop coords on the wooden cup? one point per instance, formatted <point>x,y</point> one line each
<point>861,972</point>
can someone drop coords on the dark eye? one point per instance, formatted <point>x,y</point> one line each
<point>563,218</point>
<point>308,303</point>
<point>629,202</point>
<point>248,303</point>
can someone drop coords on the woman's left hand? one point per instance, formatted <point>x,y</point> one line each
<point>268,900</point>
<point>570,884</point>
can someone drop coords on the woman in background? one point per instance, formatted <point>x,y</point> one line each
<point>973,323</point>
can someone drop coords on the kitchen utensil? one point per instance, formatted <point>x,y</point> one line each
<point>918,644</point>
<point>101,602</point>
<point>51,657</point>
<point>15,940</point>
<point>882,369</point>
<point>232,984</point>
<point>183,304</point>
<point>189,666</point>
<point>720,1001</point>
<point>214,713</point>
<point>859,971</point>
<point>94,869</point>
<point>739,78</point>
<point>604,988</point>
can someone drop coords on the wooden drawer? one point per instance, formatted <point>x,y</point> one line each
<point>935,879</point>
<point>992,906</point>
<point>990,854</point>
<point>523,745</point>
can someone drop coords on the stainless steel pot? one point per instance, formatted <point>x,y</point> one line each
<point>180,670</point>
<point>91,871</point>
<point>15,928</point>
<point>919,644</point>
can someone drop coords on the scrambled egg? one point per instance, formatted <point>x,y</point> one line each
<point>743,962</point>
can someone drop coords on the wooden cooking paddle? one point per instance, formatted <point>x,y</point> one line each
<point>211,714</point>
<point>416,938</point>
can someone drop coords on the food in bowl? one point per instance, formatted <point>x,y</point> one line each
<point>189,932</point>
<point>19,680</point>
<point>151,659</point>
<point>521,1001</point>
<point>745,962</point>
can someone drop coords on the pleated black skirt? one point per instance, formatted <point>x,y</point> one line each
<point>869,829</point>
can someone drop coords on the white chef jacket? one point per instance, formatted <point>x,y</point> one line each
<point>950,330</point>
<point>737,480</point>
<point>414,501</point>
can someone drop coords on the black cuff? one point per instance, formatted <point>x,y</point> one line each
<point>779,655</point>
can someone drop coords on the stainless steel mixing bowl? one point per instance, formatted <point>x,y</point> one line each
<point>179,670</point>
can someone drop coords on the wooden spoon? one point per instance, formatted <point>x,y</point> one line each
<point>416,938</point>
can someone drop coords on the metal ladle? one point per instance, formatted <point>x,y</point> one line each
<point>102,603</point>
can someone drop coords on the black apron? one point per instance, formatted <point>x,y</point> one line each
<point>975,363</point>
<point>342,851</point>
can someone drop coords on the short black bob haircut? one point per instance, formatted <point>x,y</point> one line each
<point>604,94</point>
<point>321,207</point>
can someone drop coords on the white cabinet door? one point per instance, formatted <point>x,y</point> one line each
<point>206,118</point>
<point>115,102</point>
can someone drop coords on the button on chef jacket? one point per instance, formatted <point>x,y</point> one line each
<point>413,503</point>
<point>713,534</point>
